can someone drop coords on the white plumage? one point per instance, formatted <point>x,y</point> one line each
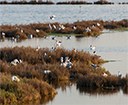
<point>15,78</point>
<point>37,30</point>
<point>67,62</point>
<point>98,24</point>
<point>58,44</point>
<point>16,61</point>
<point>52,17</point>
<point>93,48</point>
<point>47,71</point>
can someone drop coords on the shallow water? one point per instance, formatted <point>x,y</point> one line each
<point>110,46</point>
<point>25,14</point>
<point>71,96</point>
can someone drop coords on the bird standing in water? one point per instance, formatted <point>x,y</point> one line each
<point>93,49</point>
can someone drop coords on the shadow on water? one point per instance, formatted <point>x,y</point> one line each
<point>92,91</point>
<point>101,91</point>
<point>66,86</point>
<point>125,90</point>
<point>95,91</point>
<point>65,89</point>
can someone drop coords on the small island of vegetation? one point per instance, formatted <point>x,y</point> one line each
<point>29,75</point>
<point>79,29</point>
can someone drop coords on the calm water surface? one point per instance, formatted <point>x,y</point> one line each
<point>71,96</point>
<point>25,14</point>
<point>110,45</point>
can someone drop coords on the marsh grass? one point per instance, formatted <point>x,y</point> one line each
<point>34,63</point>
<point>25,91</point>
<point>35,85</point>
<point>106,83</point>
<point>23,31</point>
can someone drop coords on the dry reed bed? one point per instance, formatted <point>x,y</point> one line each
<point>33,84</point>
<point>83,28</point>
<point>96,81</point>
<point>35,62</point>
<point>24,92</point>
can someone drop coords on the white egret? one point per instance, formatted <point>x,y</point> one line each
<point>58,44</point>
<point>15,78</point>
<point>16,61</point>
<point>119,74</point>
<point>98,24</point>
<point>67,62</point>
<point>37,30</point>
<point>47,71</point>
<point>88,29</point>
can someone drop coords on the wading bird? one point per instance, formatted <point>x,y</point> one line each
<point>47,71</point>
<point>119,74</point>
<point>66,62</point>
<point>30,36</point>
<point>58,44</point>
<point>37,30</point>
<point>15,78</point>
<point>52,17</point>
<point>16,61</point>
<point>93,48</point>
<point>68,37</point>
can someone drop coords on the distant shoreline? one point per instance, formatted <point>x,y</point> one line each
<point>39,2</point>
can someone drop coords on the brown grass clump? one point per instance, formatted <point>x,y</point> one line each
<point>44,88</point>
<point>7,98</point>
<point>23,92</point>
<point>97,81</point>
<point>35,62</point>
<point>116,24</point>
<point>26,91</point>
